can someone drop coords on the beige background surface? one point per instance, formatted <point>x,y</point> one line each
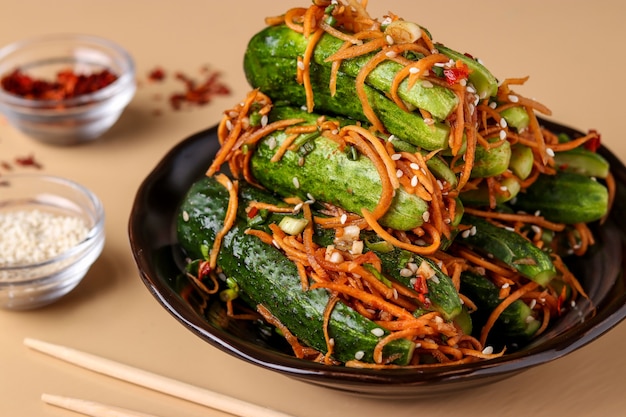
<point>575,56</point>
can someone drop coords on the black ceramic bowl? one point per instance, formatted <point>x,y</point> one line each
<point>159,259</point>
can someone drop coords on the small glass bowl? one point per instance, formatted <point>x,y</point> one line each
<point>74,120</point>
<point>29,286</point>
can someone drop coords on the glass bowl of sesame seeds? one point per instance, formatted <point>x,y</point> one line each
<point>65,89</point>
<point>51,232</point>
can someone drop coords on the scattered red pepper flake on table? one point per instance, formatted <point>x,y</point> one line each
<point>67,84</point>
<point>196,92</point>
<point>28,161</point>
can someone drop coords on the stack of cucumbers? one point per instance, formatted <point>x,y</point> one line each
<point>321,173</point>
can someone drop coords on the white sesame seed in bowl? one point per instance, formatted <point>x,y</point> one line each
<point>51,232</point>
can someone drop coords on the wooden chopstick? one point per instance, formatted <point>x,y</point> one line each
<point>153,381</point>
<point>90,408</point>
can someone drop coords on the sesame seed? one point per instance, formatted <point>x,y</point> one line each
<point>359,355</point>
<point>470,89</point>
<point>536,228</point>
<point>427,84</point>
<point>465,233</point>
<point>440,184</point>
<point>399,173</point>
<point>505,286</point>
<point>296,182</point>
<point>550,152</point>
<point>503,123</point>
<point>414,166</point>
<point>390,54</point>
<point>426,216</point>
<point>391,137</point>
<point>389,39</point>
<point>504,188</point>
<point>344,218</point>
<point>532,303</point>
<point>414,70</point>
<point>33,236</point>
<point>429,121</point>
<point>229,124</point>
<point>264,120</point>
<point>463,82</point>
<point>503,134</point>
<point>396,156</point>
<point>271,143</point>
<point>493,104</point>
<point>473,230</point>
<point>488,350</point>
<point>300,65</point>
<point>297,207</point>
<point>331,341</point>
<point>378,332</point>
<point>529,319</point>
<point>513,98</point>
<point>275,243</point>
<point>185,216</point>
<point>414,181</point>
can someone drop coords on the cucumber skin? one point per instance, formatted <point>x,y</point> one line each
<point>276,77</point>
<point>329,175</point>
<point>512,321</point>
<point>281,42</point>
<point>266,276</point>
<point>565,198</point>
<point>510,248</point>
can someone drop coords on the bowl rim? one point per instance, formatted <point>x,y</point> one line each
<point>96,231</point>
<point>125,80</point>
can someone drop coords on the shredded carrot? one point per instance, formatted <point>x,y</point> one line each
<point>421,250</point>
<point>229,220</point>
<point>502,306</point>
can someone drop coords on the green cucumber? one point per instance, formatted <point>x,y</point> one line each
<point>442,295</point>
<point>522,161</point>
<point>510,248</point>
<point>281,42</point>
<point>479,197</point>
<point>517,321</point>
<point>582,161</point>
<point>328,174</point>
<point>484,82</point>
<point>264,275</point>
<point>564,198</point>
<point>276,77</point>
<point>516,117</point>
<point>491,162</point>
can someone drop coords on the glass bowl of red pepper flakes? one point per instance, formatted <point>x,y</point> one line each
<point>65,89</point>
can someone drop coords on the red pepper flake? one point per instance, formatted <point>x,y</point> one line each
<point>204,269</point>
<point>252,212</point>
<point>198,93</point>
<point>456,74</point>
<point>28,161</point>
<point>67,84</point>
<point>421,288</point>
<point>6,165</point>
<point>594,143</point>
<point>156,74</point>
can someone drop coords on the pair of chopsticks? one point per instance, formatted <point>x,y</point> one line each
<point>142,378</point>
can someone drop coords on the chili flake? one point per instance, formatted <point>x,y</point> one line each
<point>66,85</point>
<point>593,144</point>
